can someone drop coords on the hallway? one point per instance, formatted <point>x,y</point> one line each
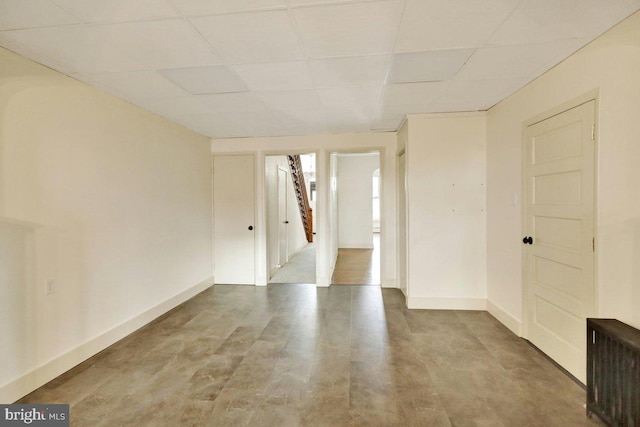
<point>291,355</point>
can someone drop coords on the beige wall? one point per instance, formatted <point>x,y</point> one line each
<point>323,146</point>
<point>110,202</point>
<point>611,65</point>
<point>446,203</point>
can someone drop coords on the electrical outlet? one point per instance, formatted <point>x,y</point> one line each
<point>49,287</point>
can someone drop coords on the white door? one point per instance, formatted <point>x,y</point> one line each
<point>283,237</point>
<point>233,220</point>
<point>559,216</point>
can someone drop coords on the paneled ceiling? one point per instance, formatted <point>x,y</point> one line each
<point>242,68</point>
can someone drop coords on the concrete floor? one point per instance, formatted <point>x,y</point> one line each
<point>288,355</point>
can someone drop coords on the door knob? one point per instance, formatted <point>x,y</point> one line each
<point>528,240</point>
<point>250,227</point>
<point>285,222</point>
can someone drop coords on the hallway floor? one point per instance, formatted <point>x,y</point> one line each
<point>288,355</point>
<point>358,266</point>
<point>301,267</point>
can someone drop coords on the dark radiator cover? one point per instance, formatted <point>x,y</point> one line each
<point>613,372</point>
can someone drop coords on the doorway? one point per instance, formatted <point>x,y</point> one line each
<point>358,219</point>
<point>291,251</point>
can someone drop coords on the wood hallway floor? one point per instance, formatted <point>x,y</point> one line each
<point>289,355</point>
<point>358,266</point>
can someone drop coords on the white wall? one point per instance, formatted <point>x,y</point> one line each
<point>115,207</point>
<point>323,146</point>
<point>611,65</point>
<point>355,195</point>
<point>446,202</point>
<point>333,211</point>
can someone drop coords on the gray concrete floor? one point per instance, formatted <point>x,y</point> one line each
<point>288,355</point>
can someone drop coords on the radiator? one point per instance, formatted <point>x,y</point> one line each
<point>613,372</point>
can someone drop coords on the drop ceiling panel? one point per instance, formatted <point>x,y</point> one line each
<point>172,107</point>
<point>118,10</point>
<point>412,93</point>
<point>290,101</point>
<point>508,62</point>
<point>163,44</point>
<point>251,37</point>
<point>137,84</point>
<point>75,48</point>
<point>474,95</point>
<point>275,76</point>
<point>20,14</point>
<point>208,7</point>
<point>201,80</point>
<point>232,102</point>
<point>350,71</point>
<point>437,24</point>
<point>547,20</point>
<point>349,29</point>
<point>427,66</point>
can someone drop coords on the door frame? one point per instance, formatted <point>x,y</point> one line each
<point>262,210</point>
<point>383,220</point>
<point>592,95</point>
<point>286,217</point>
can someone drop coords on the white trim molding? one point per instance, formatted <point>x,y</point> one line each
<point>505,318</point>
<point>430,303</point>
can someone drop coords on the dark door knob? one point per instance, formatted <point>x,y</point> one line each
<point>528,240</point>
<point>286,222</point>
<point>250,227</point>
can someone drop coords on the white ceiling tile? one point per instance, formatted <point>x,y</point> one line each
<point>201,80</point>
<point>546,20</point>
<point>349,29</point>
<point>290,101</point>
<point>437,24</point>
<point>138,84</point>
<point>208,7</point>
<point>427,66</point>
<point>350,71</point>
<point>170,43</point>
<point>312,118</point>
<point>412,93</point>
<point>507,62</point>
<point>251,37</point>
<point>19,14</point>
<point>276,76</point>
<point>356,96</point>
<point>232,102</point>
<point>175,106</point>
<point>118,10</point>
<point>475,95</point>
<point>76,48</point>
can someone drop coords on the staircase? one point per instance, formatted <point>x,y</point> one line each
<point>301,195</point>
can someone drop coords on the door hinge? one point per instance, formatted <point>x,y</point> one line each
<point>593,244</point>
<point>593,132</point>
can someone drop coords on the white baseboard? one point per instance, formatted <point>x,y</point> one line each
<point>505,318</point>
<point>447,303</point>
<point>389,282</point>
<point>25,384</point>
